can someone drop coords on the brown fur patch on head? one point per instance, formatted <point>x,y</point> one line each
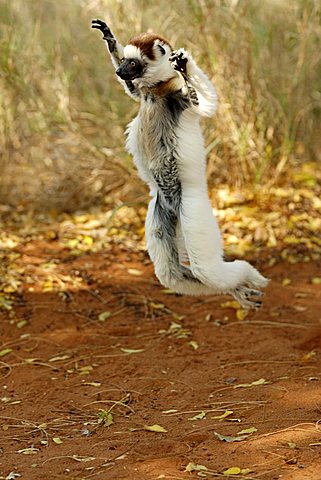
<point>145,42</point>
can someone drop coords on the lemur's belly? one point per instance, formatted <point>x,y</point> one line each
<point>153,144</point>
<point>167,150</point>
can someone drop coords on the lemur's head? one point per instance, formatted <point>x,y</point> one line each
<point>145,60</point>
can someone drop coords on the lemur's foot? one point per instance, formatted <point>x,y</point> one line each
<point>248,297</point>
<point>107,33</point>
<point>179,59</point>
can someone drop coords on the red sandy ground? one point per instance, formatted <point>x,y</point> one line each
<point>59,398</point>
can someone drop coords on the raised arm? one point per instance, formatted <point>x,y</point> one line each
<point>199,88</point>
<point>116,52</point>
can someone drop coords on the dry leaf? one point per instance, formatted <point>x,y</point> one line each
<point>22,323</point>
<point>157,306</point>
<point>247,431</point>
<point>224,415</point>
<point>194,344</point>
<point>105,418</point>
<point>308,356</point>
<point>193,467</point>
<point>228,439</point>
<point>57,440</point>
<point>80,458</point>
<point>231,304</point>
<point>132,350</point>
<point>29,451</point>
<point>199,416</point>
<point>261,381</point>
<point>56,359</point>
<point>103,316</point>
<point>85,370</point>
<point>5,352</point>
<point>232,471</point>
<point>134,271</point>
<point>241,313</point>
<point>155,428</point>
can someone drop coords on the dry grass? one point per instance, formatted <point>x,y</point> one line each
<point>62,114</point>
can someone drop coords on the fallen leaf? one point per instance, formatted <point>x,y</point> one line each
<point>6,399</point>
<point>157,306</point>
<point>80,458</point>
<point>193,467</point>
<point>232,471</point>
<point>241,313</point>
<point>308,356</point>
<point>22,323</point>
<point>155,428</point>
<point>246,471</point>
<point>178,331</point>
<point>286,281</point>
<point>103,316</point>
<point>5,303</point>
<point>194,344</point>
<point>247,431</point>
<point>228,439</point>
<point>316,281</point>
<point>199,416</point>
<point>291,445</point>
<point>85,370</point>
<point>56,359</point>
<point>29,451</point>
<point>231,304</point>
<point>300,308</point>
<point>57,440</point>
<point>224,415</point>
<point>5,352</point>
<point>105,418</point>
<point>134,271</point>
<point>11,476</point>
<point>261,381</point>
<point>132,350</point>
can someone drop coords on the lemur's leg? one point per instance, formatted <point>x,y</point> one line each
<point>201,91</point>
<point>116,52</point>
<point>161,239</point>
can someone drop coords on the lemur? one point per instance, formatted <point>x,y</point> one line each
<point>166,142</point>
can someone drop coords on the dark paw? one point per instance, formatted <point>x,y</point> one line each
<point>179,60</point>
<point>107,34</point>
<point>103,27</point>
<point>248,297</point>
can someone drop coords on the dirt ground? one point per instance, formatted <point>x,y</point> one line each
<point>115,378</point>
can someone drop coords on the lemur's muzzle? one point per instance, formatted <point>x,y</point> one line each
<point>129,69</point>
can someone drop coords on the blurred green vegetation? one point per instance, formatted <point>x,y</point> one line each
<point>63,114</point>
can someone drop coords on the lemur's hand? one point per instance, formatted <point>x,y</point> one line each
<point>178,60</point>
<point>107,33</point>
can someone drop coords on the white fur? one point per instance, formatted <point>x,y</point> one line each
<point>131,51</point>
<point>198,237</point>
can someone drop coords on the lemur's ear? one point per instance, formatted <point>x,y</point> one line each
<point>161,48</point>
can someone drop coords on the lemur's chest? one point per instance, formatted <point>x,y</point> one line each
<point>153,132</point>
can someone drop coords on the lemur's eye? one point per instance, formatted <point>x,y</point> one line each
<point>122,60</point>
<point>133,63</point>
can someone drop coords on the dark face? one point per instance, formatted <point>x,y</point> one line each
<point>130,68</point>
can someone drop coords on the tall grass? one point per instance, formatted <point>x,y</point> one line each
<point>62,113</point>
